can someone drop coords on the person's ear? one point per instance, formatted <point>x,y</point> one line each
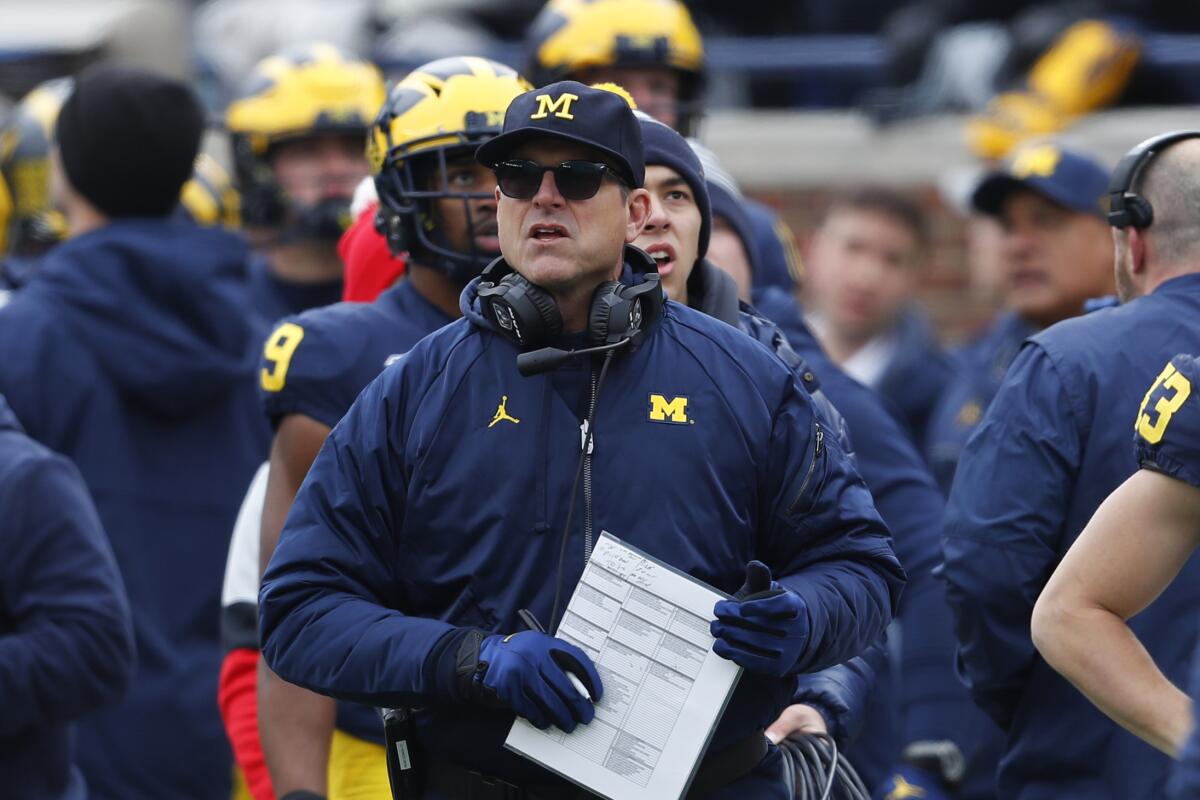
<point>639,213</point>
<point>1137,250</point>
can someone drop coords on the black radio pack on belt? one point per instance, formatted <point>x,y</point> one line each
<point>527,314</point>
<point>1126,208</point>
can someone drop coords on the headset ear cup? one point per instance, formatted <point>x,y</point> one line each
<point>1140,212</point>
<point>521,311</point>
<point>605,297</point>
<point>546,309</point>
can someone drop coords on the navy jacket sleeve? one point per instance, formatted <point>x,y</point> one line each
<point>840,692</point>
<point>835,551</point>
<point>1003,523</point>
<point>66,639</point>
<point>311,608</point>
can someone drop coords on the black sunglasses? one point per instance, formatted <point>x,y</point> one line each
<point>576,180</point>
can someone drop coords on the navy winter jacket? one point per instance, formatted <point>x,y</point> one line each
<point>66,641</point>
<point>132,352</point>
<point>1052,446</point>
<point>426,513</point>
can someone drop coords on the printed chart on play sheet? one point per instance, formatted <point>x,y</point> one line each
<point>645,625</point>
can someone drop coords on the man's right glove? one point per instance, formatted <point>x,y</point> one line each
<point>527,672</point>
<point>765,628</point>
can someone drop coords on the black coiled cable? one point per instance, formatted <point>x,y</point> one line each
<point>820,771</point>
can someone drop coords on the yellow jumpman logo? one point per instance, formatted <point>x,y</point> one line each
<point>502,413</point>
<point>903,789</point>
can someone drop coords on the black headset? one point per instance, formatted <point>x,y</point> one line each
<point>526,313</point>
<point>1127,208</point>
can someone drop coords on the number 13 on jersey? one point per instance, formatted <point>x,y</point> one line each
<point>1169,392</point>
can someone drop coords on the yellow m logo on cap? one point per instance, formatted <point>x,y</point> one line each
<point>559,107</point>
<point>664,410</point>
<point>1039,160</point>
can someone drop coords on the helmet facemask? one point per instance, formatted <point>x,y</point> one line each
<point>410,184</point>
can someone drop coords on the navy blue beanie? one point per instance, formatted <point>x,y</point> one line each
<point>664,147</point>
<point>729,208</point>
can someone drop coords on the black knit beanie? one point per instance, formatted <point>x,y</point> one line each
<point>128,139</point>
<point>664,147</point>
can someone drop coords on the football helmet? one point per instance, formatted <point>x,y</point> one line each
<point>209,197</point>
<point>570,36</point>
<point>302,92</point>
<point>29,223</point>
<point>443,109</point>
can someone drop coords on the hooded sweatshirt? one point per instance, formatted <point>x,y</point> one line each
<point>66,643</point>
<point>133,352</point>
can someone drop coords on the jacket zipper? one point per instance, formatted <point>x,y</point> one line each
<point>812,466</point>
<point>589,444</point>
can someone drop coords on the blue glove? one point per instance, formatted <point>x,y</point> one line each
<point>765,628</point>
<point>526,672</point>
<point>907,781</point>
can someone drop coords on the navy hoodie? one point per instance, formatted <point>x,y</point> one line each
<point>133,352</point>
<point>66,642</point>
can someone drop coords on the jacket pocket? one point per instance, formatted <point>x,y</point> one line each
<point>466,612</point>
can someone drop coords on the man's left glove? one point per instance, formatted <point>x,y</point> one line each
<point>527,672</point>
<point>764,628</point>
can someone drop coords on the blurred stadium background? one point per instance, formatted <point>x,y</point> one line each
<point>804,98</point>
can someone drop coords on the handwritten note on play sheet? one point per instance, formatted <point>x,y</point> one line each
<point>645,625</point>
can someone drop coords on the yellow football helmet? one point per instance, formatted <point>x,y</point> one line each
<point>440,110</point>
<point>209,197</point>
<point>314,90</point>
<point>29,223</point>
<point>570,36</point>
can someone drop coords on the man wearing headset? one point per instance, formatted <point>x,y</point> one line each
<point>1051,447</point>
<point>438,507</point>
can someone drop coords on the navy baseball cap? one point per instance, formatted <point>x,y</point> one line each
<point>1068,177</point>
<point>568,110</point>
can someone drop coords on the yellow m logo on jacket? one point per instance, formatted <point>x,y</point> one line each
<point>664,410</point>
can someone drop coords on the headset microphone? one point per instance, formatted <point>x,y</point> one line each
<point>545,359</point>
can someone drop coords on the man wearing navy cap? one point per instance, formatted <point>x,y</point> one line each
<point>1050,201</point>
<point>446,501</point>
